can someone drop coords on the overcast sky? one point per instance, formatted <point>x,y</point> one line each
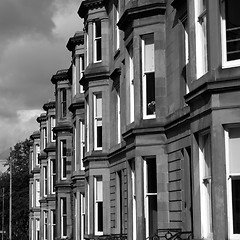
<point>33,38</point>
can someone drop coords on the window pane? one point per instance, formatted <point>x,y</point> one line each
<point>236,205</point>
<point>99,49</point>
<point>233,29</point>
<point>151,176</point>
<point>99,189</point>
<point>150,90</point>
<point>98,105</point>
<point>149,53</point>
<point>152,215</point>
<point>234,150</point>
<point>100,216</point>
<point>98,29</point>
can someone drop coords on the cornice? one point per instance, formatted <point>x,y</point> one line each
<point>89,5</point>
<point>35,135</point>
<point>42,118</point>
<point>77,39</point>
<point>77,105</point>
<point>42,156</point>
<point>63,128</point>
<point>140,12</point>
<point>61,75</point>
<point>51,147</point>
<point>49,105</point>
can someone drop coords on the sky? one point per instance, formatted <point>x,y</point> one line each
<point>33,38</point>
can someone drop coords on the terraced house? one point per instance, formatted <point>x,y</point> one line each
<point>147,132</point>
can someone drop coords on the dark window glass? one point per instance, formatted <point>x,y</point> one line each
<point>99,49</point>
<point>150,85</point>
<point>99,136</point>
<point>233,29</point>
<point>236,205</point>
<point>100,216</point>
<point>152,176</point>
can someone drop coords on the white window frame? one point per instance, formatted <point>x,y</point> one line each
<point>74,78</point>
<point>144,77</point>
<point>44,137</point>
<point>32,159</point>
<point>63,201</point>
<point>98,183</point>
<point>45,181</point>
<point>63,159</point>
<point>75,145</point>
<point>147,194</point>
<point>32,195</point>
<point>52,175</point>
<point>134,211</point>
<point>32,229</point>
<point>81,70</point>
<point>201,39</point>
<point>118,193</point>
<point>116,29</point>
<point>88,205</point>
<point>52,125</point>
<point>63,95</point>
<point>118,116</point>
<point>87,123</point>
<point>45,225</point>
<point>82,144</point>
<point>229,177</point>
<point>53,224</point>
<point>205,184</point>
<point>225,62</point>
<point>82,224</point>
<point>97,118</point>
<point>37,153</point>
<point>76,215</point>
<point>37,224</point>
<point>37,189</point>
<point>131,83</point>
<point>95,41</point>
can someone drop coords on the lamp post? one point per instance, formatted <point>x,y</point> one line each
<point>10,197</point>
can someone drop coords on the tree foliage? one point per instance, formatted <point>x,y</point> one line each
<point>19,157</point>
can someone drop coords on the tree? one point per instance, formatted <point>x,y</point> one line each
<point>19,157</point>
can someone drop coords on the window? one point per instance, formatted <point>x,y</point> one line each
<point>76,215</point>
<point>88,205</point>
<point>75,145</point>
<point>37,186</point>
<point>98,205</point>
<point>82,198</point>
<point>45,225</point>
<point>87,122</point>
<point>233,181</point>
<point>119,208</point>
<point>148,78</point>
<point>97,121</point>
<point>74,78</point>
<point>63,217</point>
<point>37,229</point>
<point>97,36</point>
<point>44,137</point>
<point>52,175</point>
<point>32,195</point>
<point>63,157</point>
<point>201,38</point>
<point>116,29</point>
<point>131,84</point>
<point>81,63</point>
<point>37,152</point>
<point>82,144</point>
<point>150,190</point>
<point>205,185</point>
<point>31,159</point>
<point>133,182</point>
<point>118,117</point>
<point>52,125</point>
<point>53,224</point>
<point>45,181</point>
<point>231,33</point>
<point>63,99</point>
<point>32,229</point>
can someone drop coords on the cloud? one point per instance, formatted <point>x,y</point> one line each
<point>33,41</point>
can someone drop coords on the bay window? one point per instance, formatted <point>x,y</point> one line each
<point>63,202</point>
<point>150,192</point>
<point>232,137</point>
<point>97,38</point>
<point>98,205</point>
<point>205,166</point>
<point>97,121</point>
<point>63,157</point>
<point>201,38</point>
<point>230,33</point>
<point>148,78</point>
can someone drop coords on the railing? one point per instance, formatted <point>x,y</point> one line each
<point>173,234</point>
<point>108,237</point>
